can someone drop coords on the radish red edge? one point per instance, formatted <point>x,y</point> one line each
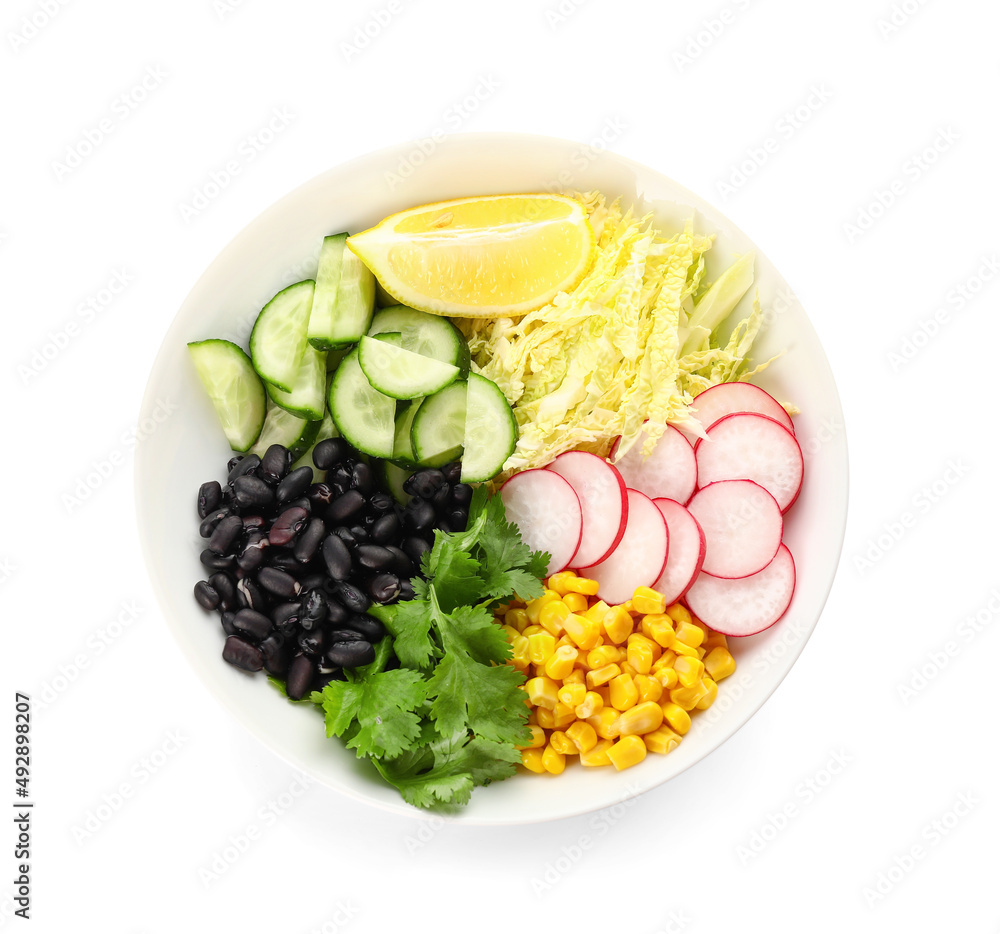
<point>762,403</point>
<point>675,513</point>
<point>681,467</point>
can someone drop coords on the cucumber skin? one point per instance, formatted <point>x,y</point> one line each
<point>295,285</point>
<point>426,409</point>
<point>331,392</point>
<point>514,432</point>
<point>251,370</point>
<point>307,414</point>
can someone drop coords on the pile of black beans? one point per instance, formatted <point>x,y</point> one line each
<point>295,565</point>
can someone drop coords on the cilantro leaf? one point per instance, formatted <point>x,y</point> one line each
<point>453,570</point>
<point>410,624</point>
<point>383,705</point>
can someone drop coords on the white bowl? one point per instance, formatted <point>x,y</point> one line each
<point>281,247</point>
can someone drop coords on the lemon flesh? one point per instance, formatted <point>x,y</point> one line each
<point>480,257</point>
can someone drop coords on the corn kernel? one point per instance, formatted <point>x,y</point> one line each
<point>583,585</point>
<point>516,619</point>
<point>537,738</point>
<point>501,608</point>
<point>678,613</point>
<point>576,676</point>
<point>531,630</point>
<point>682,648</point>
<point>719,663</point>
<point>662,741</point>
<point>624,693</point>
<point>519,648</point>
<point>532,759</point>
<point>643,718</point>
<point>603,655</point>
<point>649,688</point>
<point>562,715</point>
<point>554,762</point>
<point>617,624</point>
<point>562,744</point>
<point>689,634</point>
<point>576,602</point>
<point>628,669</point>
<point>552,615</point>
<point>688,697</point>
<point>647,600</point>
<point>545,717</point>
<point>560,663</point>
<point>540,646</point>
<point>558,582</point>
<point>711,692</point>
<point>510,632</point>
<point>582,735</point>
<point>572,694</point>
<point>640,655</point>
<point>604,721</point>
<point>629,608</point>
<point>534,608</point>
<point>715,640</point>
<point>543,692</point>
<point>667,678</point>
<point>591,703</point>
<point>666,660</point>
<point>604,693</point>
<point>596,611</point>
<point>597,754</point>
<point>677,717</point>
<point>599,676</point>
<point>582,631</point>
<point>628,751</point>
<point>659,628</point>
<point>689,670</point>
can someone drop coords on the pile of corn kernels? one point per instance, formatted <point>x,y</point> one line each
<point>609,683</point>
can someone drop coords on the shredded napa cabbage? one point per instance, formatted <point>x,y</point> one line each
<point>635,341</point>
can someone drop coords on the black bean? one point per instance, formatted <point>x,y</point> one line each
<point>274,463</point>
<point>252,523</point>
<point>295,484</point>
<point>351,597</point>
<point>241,654</point>
<point>225,587</point>
<point>351,654</point>
<point>312,641</point>
<point>345,507</point>
<point>341,477</point>
<point>285,561</point>
<point>206,595</point>
<point>303,502</point>
<point>381,503</point>
<point>212,520</point>
<point>287,526</point>
<point>424,482</point>
<point>337,557</point>
<point>362,478</point>
<point>216,562</point>
<point>313,609</point>
<point>276,651</point>
<point>452,472</point>
<point>373,557</point>
<point>440,497</point>
<point>233,461</point>
<point>336,614</point>
<point>300,676</point>
<point>278,582</point>
<point>252,493</point>
<point>457,519</point>
<point>360,534</point>
<point>286,617</point>
<point>330,452</point>
<point>209,497</point>
<point>254,551</point>
<point>461,494</point>
<point>385,529</point>
<point>309,541</point>
<point>406,591</point>
<point>401,564</point>
<point>252,623</point>
<point>250,595</point>
<point>418,515</point>
<point>415,548</point>
<point>315,581</point>
<point>247,466</point>
<point>384,588</point>
<point>226,535</point>
<point>320,494</point>
<point>369,627</point>
<point>227,623</point>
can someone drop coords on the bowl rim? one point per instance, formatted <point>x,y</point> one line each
<point>195,660</point>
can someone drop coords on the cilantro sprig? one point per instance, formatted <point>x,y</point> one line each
<point>449,716</point>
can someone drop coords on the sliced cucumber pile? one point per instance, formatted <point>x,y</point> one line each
<point>395,383</point>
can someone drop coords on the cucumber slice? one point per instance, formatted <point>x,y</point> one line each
<point>438,429</point>
<point>428,335</point>
<point>395,477</point>
<point>327,429</point>
<point>333,358</point>
<point>345,296</point>
<point>490,430</point>
<point>363,415</point>
<point>234,388</point>
<point>281,427</point>
<point>402,446</point>
<point>308,396</point>
<point>278,339</point>
<point>401,373</point>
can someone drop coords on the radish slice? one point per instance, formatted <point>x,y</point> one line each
<point>603,500</point>
<point>742,525</point>
<point>748,605</point>
<point>752,447</point>
<point>686,553</point>
<point>669,472</point>
<point>547,511</point>
<point>640,556</point>
<point>727,398</point>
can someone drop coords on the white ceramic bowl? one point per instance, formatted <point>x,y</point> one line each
<point>281,247</point>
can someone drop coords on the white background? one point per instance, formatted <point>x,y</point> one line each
<point>878,203</point>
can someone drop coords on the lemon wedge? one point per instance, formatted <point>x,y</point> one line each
<point>483,257</point>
